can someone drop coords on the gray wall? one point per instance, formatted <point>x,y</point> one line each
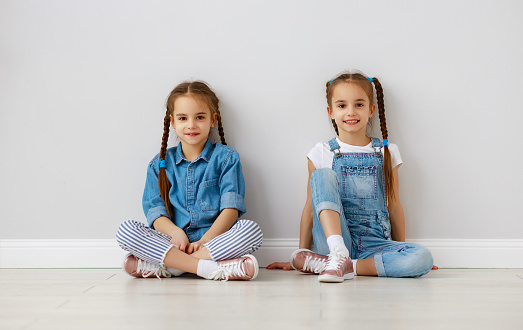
<point>83,86</point>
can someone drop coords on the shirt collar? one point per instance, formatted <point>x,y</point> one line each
<point>205,154</point>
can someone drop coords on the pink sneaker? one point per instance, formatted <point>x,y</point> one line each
<point>243,268</point>
<point>339,268</point>
<point>306,261</point>
<point>137,267</point>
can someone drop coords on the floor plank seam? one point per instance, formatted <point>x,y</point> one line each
<point>107,279</point>
<point>63,304</point>
<point>88,289</point>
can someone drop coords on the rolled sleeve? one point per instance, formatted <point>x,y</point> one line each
<point>232,185</point>
<point>233,200</point>
<point>152,202</point>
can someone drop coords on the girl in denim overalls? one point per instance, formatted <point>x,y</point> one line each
<point>353,208</point>
<point>193,196</point>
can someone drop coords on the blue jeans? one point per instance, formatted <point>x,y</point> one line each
<point>366,233</point>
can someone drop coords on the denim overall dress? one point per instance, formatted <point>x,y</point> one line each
<point>355,188</point>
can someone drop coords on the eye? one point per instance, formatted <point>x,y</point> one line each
<point>359,105</point>
<point>181,118</point>
<point>341,106</point>
<point>200,117</point>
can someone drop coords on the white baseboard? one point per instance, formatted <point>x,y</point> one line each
<point>475,253</point>
<point>105,253</point>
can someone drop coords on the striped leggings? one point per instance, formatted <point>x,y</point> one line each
<point>244,237</point>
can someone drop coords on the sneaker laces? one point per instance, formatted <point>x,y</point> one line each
<point>148,268</point>
<point>335,260</point>
<point>314,265</point>
<point>225,271</point>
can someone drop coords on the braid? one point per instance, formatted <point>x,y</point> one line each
<point>387,161</point>
<point>329,94</point>
<point>335,127</point>
<point>220,127</point>
<point>163,181</point>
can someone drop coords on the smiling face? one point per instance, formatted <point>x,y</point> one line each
<point>351,109</point>
<point>192,120</point>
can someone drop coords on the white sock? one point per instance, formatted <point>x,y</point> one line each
<point>354,261</point>
<point>206,267</point>
<point>175,272</point>
<point>336,241</point>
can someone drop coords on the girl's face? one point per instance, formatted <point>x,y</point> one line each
<point>351,110</point>
<point>192,121</point>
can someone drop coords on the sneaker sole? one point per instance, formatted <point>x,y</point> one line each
<point>294,254</point>
<point>335,279</point>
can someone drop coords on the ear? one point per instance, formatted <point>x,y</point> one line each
<point>372,110</point>
<point>214,118</point>
<point>329,111</point>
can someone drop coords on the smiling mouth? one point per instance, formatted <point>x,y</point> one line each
<point>351,122</point>
<point>192,134</point>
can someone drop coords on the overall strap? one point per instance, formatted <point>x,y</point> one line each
<point>335,147</point>
<point>377,145</point>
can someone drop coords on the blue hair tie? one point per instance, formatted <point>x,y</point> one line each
<point>162,163</point>
<point>330,82</point>
<point>385,143</point>
<point>370,79</point>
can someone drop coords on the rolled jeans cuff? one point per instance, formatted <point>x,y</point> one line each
<point>327,206</point>
<point>378,262</point>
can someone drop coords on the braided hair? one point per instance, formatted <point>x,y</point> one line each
<point>196,89</point>
<point>366,84</point>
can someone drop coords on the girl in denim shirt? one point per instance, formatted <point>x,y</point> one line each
<point>194,194</point>
<point>353,208</point>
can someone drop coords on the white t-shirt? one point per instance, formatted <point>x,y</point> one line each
<point>321,155</point>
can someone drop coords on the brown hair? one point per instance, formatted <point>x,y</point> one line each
<point>203,93</point>
<point>366,85</point>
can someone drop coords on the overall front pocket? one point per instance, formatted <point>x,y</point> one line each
<point>359,182</point>
<point>209,195</point>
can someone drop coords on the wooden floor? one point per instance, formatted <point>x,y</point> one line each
<point>109,299</point>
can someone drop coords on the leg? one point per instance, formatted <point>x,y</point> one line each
<point>329,218</point>
<point>244,237</point>
<point>181,261</point>
<point>411,260</point>
<point>153,252</point>
<point>366,267</point>
<point>143,242</point>
<point>396,259</point>
<point>153,247</point>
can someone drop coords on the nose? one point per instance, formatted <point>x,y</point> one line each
<point>351,111</point>
<point>191,123</point>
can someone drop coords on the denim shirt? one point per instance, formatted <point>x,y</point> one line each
<point>200,190</point>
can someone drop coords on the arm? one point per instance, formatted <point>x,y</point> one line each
<point>397,217</point>
<point>178,236</point>
<point>306,216</point>
<point>155,210</point>
<point>223,223</point>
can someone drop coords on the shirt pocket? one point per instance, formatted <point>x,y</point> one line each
<point>209,195</point>
<point>359,182</point>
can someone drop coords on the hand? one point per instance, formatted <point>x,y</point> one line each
<point>280,265</point>
<point>179,240</point>
<point>195,246</point>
